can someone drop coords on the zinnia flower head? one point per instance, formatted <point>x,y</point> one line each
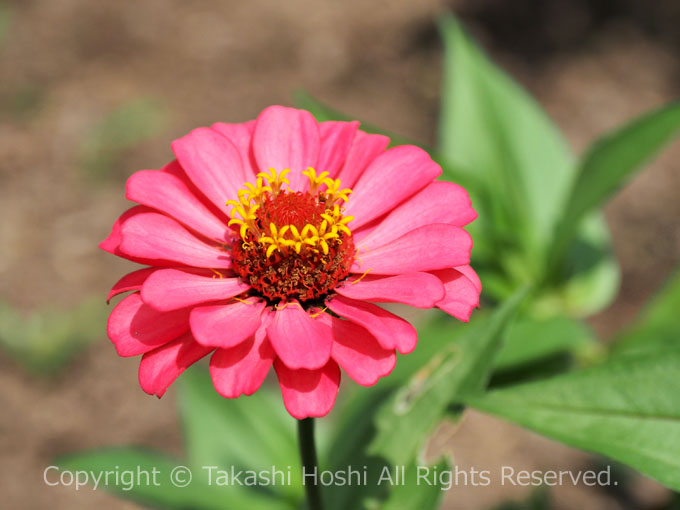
<point>268,243</point>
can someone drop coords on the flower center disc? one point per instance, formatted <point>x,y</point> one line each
<point>294,245</point>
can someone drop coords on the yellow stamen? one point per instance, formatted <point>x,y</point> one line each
<point>361,277</point>
<point>279,307</point>
<point>314,237</point>
<point>323,310</point>
<point>217,273</point>
<point>314,180</point>
<point>275,180</point>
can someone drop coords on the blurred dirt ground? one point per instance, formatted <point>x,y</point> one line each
<point>74,70</point>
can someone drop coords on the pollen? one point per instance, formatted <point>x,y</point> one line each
<point>292,244</point>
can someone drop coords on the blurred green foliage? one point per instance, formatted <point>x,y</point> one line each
<point>539,499</point>
<point>45,340</point>
<point>120,130</point>
<point>20,104</point>
<point>658,326</point>
<point>5,20</point>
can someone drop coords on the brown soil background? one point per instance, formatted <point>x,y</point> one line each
<point>591,64</point>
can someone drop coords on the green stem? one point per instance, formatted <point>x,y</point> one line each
<point>309,462</point>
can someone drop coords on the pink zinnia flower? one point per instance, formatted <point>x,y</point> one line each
<point>321,221</point>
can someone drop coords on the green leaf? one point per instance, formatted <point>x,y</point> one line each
<point>423,488</point>
<point>588,277</point>
<point>436,331</point>
<point>612,160</point>
<point>531,340</point>
<point>353,432</point>
<point>198,495</point>
<point>405,419</point>
<point>490,126</point>
<point>591,272</point>
<point>658,327</point>
<point>249,432</point>
<point>627,409</point>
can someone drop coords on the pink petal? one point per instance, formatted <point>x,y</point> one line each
<point>159,368</point>
<point>393,176</point>
<point>167,193</point>
<point>112,243</point>
<point>336,142</point>
<point>212,163</point>
<point>241,136</point>
<point>241,370</point>
<point>131,281</point>
<point>286,138</point>
<point>170,289</point>
<point>471,275</point>
<point>439,202</point>
<point>136,328</point>
<point>391,331</point>
<point>175,169</point>
<point>308,393</point>
<point>155,237</point>
<point>421,290</point>
<point>462,295</point>
<point>427,248</point>
<point>226,325</point>
<point>358,352</point>
<point>364,150</point>
<point>298,339</point>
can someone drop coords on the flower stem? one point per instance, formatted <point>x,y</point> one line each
<point>309,462</point>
